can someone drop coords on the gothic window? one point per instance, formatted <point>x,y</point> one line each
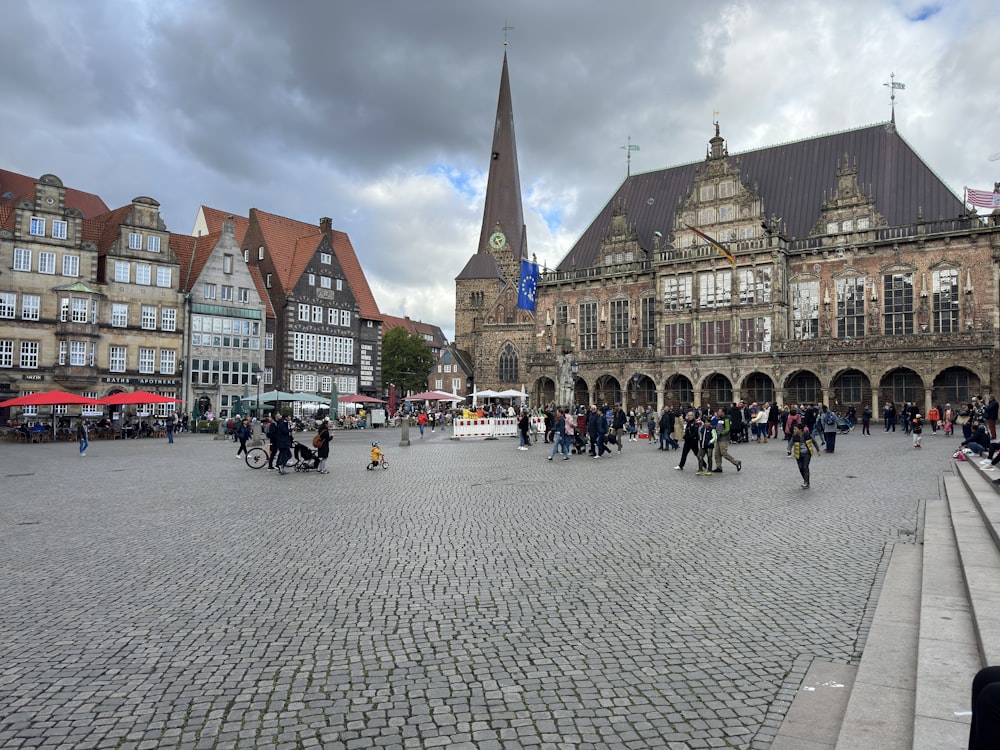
<point>562,314</point>
<point>715,289</point>
<point>677,293</point>
<point>587,322</point>
<point>677,339</point>
<point>755,285</point>
<point>945,289</point>
<point>755,335</point>
<point>648,322</point>
<point>805,310</point>
<point>851,307</point>
<point>619,324</point>
<point>897,301</point>
<point>508,364</point>
<point>716,337</point>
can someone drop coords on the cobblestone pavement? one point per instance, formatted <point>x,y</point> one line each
<point>472,596</point>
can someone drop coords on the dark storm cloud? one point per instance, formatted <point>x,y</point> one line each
<point>380,113</point>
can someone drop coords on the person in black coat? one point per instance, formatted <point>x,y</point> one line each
<point>690,439</point>
<point>284,442</point>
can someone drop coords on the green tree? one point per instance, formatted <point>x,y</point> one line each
<point>406,360</point>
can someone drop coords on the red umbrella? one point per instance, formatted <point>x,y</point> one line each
<point>136,397</point>
<point>359,399</point>
<point>49,398</point>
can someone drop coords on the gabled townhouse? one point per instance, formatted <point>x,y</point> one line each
<point>141,325</point>
<point>453,372</point>
<point>434,337</point>
<point>224,322</point>
<point>326,322</point>
<point>50,301</point>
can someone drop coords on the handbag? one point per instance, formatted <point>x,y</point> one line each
<point>317,441</point>
<point>962,419</point>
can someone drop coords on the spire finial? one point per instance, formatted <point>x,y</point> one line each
<point>629,148</point>
<point>893,85</point>
<point>506,28</point>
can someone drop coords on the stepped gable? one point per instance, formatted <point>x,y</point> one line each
<point>791,179</point>
<point>22,187</point>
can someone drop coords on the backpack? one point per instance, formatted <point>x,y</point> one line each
<point>829,418</point>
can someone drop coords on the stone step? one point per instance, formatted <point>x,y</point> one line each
<point>948,653</point>
<point>879,711</point>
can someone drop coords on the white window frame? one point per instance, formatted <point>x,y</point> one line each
<point>78,353</point>
<point>71,265</point>
<point>134,241</point>
<point>345,318</point>
<point>22,259</point>
<point>153,243</point>
<point>6,353</point>
<point>36,227</point>
<point>80,308</point>
<point>210,291</point>
<point>168,361</point>
<point>226,293</point>
<point>164,277</point>
<point>123,271</point>
<point>31,306</point>
<point>143,274</point>
<point>29,355</point>
<point>317,314</point>
<point>325,282</point>
<point>46,262</point>
<point>147,360</point>
<point>59,229</point>
<point>168,319</point>
<point>325,258</point>
<point>117,358</point>
<point>8,305</point>
<point>119,315</point>
<point>147,320</point>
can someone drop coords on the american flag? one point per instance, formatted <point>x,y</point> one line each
<point>983,198</point>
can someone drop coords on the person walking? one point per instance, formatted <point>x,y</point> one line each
<point>724,430</point>
<point>242,432</point>
<point>569,432</point>
<point>866,421</point>
<point>323,451</point>
<point>707,437</point>
<point>523,427</point>
<point>284,443</point>
<point>272,442</point>
<point>803,450</point>
<point>422,422</point>
<point>83,435</point>
<point>171,426</point>
<point>690,438</point>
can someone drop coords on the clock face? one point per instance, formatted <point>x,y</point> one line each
<point>497,240</point>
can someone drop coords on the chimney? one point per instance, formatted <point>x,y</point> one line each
<point>326,225</point>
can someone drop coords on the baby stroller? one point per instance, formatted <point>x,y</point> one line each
<point>844,426</point>
<point>580,443</point>
<point>305,458</point>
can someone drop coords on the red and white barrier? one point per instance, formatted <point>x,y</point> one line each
<point>496,427</point>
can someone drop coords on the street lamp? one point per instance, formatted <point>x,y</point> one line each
<point>257,376</point>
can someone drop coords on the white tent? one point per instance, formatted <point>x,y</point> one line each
<point>512,393</point>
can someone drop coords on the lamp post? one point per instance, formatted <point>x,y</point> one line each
<point>635,387</point>
<point>574,369</point>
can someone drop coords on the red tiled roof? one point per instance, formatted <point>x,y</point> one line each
<point>105,228</point>
<point>292,244</point>
<point>6,214</point>
<point>214,218</point>
<point>262,290</point>
<point>355,275</point>
<point>192,254</point>
<point>22,186</point>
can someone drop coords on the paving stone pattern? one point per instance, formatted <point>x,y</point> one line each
<point>472,596</point>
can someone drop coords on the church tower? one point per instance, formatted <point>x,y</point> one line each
<point>496,266</point>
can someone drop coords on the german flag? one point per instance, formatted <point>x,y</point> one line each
<point>728,255</point>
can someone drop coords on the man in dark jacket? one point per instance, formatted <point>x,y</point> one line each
<point>597,428</point>
<point>990,415</point>
<point>618,425</point>
<point>284,443</point>
<point>690,439</point>
<point>666,427</point>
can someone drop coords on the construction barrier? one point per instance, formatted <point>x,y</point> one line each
<point>496,427</point>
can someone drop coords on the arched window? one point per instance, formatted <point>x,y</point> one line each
<point>508,364</point>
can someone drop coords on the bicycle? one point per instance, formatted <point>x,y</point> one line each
<point>382,462</point>
<point>256,457</point>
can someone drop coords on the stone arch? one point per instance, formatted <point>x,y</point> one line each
<point>678,391</point>
<point>803,387</point>
<point>851,387</point>
<point>899,385</point>
<point>608,390</point>
<point>757,387</point>
<point>543,391</point>
<point>955,385</point>
<point>581,393</point>
<point>716,390</point>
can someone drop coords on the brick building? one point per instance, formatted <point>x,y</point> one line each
<point>844,271</point>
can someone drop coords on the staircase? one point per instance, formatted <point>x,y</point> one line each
<point>936,623</point>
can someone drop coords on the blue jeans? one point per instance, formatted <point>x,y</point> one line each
<point>83,445</point>
<point>567,443</point>
<point>170,435</point>
<point>559,442</point>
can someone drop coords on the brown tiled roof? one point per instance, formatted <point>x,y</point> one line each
<point>282,236</point>
<point>355,275</point>
<point>792,179</point>
<point>415,327</point>
<point>23,187</point>
<point>103,230</point>
<point>214,218</point>
<point>6,214</point>
<point>192,254</point>
<point>262,290</point>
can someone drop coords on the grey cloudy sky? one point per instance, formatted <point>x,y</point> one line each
<point>379,114</point>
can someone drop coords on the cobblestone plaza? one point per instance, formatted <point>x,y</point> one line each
<point>472,596</point>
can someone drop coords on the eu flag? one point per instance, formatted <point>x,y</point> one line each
<point>529,283</point>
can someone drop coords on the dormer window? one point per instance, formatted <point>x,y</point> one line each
<point>725,190</point>
<point>707,192</point>
<point>153,244</point>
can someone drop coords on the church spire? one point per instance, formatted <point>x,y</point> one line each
<point>503,217</point>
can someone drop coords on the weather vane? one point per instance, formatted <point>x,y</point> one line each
<point>629,148</point>
<point>506,28</point>
<point>893,85</point>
